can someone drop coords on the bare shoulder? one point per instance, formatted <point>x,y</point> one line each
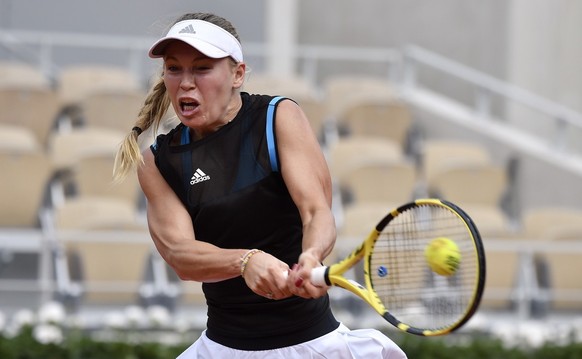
<point>291,119</point>
<point>297,144</point>
<point>148,166</point>
<point>150,178</point>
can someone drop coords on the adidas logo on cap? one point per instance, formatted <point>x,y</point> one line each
<point>188,29</point>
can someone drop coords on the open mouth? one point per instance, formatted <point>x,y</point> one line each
<point>187,105</point>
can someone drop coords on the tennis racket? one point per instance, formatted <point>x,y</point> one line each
<point>399,283</point>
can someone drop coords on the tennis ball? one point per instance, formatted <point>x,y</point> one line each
<point>443,256</point>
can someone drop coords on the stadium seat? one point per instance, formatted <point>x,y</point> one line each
<point>386,118</point>
<point>438,154</point>
<point>105,251</point>
<point>471,183</point>
<point>360,218</point>
<point>564,267</point>
<point>34,108</point>
<point>503,266</point>
<point>350,151</point>
<point>478,188</point>
<point>75,83</point>
<point>93,176</point>
<point>97,212</point>
<point>17,139</point>
<point>24,243</point>
<point>558,230</point>
<point>343,91</point>
<point>67,148</point>
<point>15,74</point>
<point>542,221</point>
<point>379,181</point>
<point>111,109</point>
<point>24,177</point>
<point>106,272</point>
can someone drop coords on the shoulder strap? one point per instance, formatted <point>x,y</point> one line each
<point>270,131</point>
<point>186,155</point>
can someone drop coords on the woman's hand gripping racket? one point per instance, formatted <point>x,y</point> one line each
<point>403,257</point>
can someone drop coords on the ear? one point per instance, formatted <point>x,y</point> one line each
<point>239,74</point>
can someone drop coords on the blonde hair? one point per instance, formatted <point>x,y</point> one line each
<point>152,112</point>
<point>155,106</point>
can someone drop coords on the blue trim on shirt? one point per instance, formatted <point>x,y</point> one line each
<point>186,155</point>
<point>270,130</point>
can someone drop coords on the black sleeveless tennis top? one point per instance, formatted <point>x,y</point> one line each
<point>230,184</point>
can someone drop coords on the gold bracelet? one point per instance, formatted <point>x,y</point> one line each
<point>244,260</point>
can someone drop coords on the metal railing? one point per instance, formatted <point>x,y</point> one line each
<point>487,87</point>
<point>45,44</point>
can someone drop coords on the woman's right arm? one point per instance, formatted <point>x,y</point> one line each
<point>171,229</point>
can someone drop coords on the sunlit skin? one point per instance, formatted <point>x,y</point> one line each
<point>201,88</point>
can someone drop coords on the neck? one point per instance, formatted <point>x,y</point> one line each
<point>230,113</point>
<point>233,108</point>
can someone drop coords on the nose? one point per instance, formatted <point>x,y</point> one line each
<point>188,81</point>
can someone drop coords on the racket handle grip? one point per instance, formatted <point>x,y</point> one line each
<point>317,276</point>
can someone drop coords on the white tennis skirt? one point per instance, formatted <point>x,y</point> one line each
<point>342,343</point>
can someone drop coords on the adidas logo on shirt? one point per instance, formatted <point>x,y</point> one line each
<point>189,29</point>
<point>199,176</point>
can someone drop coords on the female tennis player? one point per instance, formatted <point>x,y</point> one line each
<point>238,193</point>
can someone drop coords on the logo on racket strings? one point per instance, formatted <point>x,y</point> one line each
<point>382,271</point>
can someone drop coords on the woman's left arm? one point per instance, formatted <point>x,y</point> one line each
<point>308,180</point>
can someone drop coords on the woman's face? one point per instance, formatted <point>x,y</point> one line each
<point>203,90</point>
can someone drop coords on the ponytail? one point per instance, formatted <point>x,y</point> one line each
<point>151,114</point>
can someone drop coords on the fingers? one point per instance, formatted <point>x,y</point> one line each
<point>299,283</point>
<point>271,278</point>
<point>277,287</point>
<point>264,276</point>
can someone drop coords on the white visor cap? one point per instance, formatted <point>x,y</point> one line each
<point>211,40</point>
